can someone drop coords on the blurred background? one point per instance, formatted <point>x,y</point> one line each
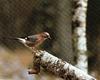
<point>20,18</point>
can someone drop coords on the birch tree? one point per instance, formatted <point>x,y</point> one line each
<point>79,25</point>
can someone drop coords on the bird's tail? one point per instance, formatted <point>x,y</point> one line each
<point>13,38</point>
<point>22,40</point>
<point>9,38</point>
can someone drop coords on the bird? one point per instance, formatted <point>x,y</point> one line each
<point>34,41</point>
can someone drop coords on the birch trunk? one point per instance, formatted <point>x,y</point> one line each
<point>79,24</point>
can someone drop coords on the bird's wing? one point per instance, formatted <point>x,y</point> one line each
<point>31,38</point>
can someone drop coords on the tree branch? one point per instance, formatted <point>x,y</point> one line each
<point>60,68</point>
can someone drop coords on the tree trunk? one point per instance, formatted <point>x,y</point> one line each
<point>79,25</point>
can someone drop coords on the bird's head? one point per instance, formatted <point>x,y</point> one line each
<point>46,35</point>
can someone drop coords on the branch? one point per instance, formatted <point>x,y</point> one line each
<point>60,68</point>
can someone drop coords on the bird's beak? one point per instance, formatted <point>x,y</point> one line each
<point>22,40</point>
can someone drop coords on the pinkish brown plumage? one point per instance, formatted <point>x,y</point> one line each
<point>34,40</point>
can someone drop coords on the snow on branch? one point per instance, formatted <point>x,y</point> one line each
<point>59,67</point>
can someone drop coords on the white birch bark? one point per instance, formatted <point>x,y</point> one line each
<point>79,24</point>
<point>60,68</point>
